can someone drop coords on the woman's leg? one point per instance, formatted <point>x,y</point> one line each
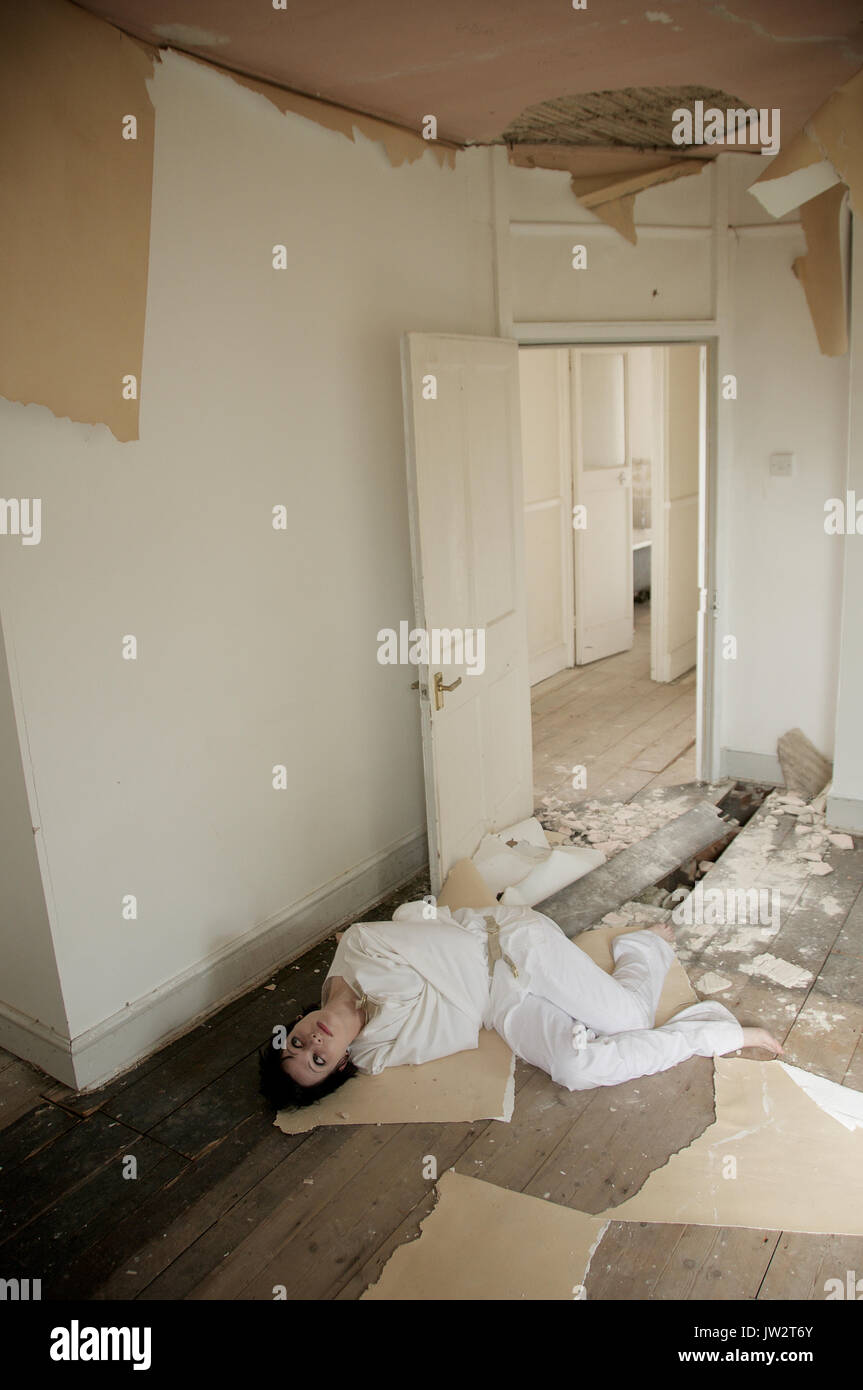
<point>541,1034</point>
<point>627,999</point>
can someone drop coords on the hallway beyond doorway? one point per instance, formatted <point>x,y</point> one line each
<point>627,731</point>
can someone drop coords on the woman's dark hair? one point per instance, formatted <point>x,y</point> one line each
<point>281,1090</point>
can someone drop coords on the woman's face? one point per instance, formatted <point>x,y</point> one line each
<point>316,1046</point>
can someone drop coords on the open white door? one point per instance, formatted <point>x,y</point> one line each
<point>678,465</point>
<point>465,499</point>
<point>547,457</point>
<point>602,484</point>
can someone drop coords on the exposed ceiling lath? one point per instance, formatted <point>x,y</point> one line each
<point>639,117</point>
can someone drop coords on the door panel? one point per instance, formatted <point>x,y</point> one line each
<point>674,591</point>
<point>546,449</point>
<point>602,483</point>
<point>465,503</point>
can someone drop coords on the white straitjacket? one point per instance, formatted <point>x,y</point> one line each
<point>427,991</point>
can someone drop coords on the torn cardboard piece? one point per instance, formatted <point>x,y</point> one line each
<point>75,224</point>
<point>811,173</point>
<point>805,770</point>
<point>612,197</point>
<point>475,1085</point>
<point>837,129</point>
<point>607,181</point>
<point>799,172</point>
<point>402,146</point>
<point>828,150</point>
<point>465,887</point>
<point>592,161</point>
<point>774,1159</point>
<point>483,1242</point>
<point>820,270</point>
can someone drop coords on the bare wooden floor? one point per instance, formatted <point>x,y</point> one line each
<point>628,731</point>
<point>226,1206</point>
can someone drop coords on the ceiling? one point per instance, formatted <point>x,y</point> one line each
<point>477,65</point>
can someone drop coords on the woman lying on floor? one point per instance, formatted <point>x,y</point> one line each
<point>412,990</point>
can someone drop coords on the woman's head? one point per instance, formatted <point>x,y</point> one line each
<point>312,1064</point>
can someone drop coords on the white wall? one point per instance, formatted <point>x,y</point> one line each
<point>28,981</point>
<point>666,276</point>
<point>783,572</point>
<point>256,647</point>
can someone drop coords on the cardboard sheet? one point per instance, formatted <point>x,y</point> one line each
<point>477,1085</point>
<point>828,150</point>
<point>75,221</point>
<point>798,172</point>
<point>465,887</point>
<point>612,196</point>
<point>837,128</point>
<point>483,1242</point>
<point>606,181</point>
<point>593,161</point>
<point>797,1167</point>
<point>677,992</point>
<point>820,270</point>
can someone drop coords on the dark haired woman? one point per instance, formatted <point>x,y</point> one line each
<point>412,990</point>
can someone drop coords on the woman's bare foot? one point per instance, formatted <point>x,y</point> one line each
<point>759,1037</point>
<point>665,930</point>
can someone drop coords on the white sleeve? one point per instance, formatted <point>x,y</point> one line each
<point>542,1034</point>
<point>366,957</point>
<point>410,1021</point>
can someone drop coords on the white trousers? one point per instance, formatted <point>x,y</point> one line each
<point>566,976</point>
<point>566,988</point>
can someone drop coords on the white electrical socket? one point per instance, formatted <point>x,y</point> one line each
<point>781,465</point>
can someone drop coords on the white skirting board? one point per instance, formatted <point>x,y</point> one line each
<point>843,813</point>
<point>751,767</point>
<point>166,1013</point>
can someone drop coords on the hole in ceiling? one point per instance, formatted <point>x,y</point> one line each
<point>639,117</point>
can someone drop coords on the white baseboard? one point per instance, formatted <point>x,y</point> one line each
<point>37,1043</point>
<point>135,1032</point>
<point>844,813</point>
<point>549,663</point>
<point>751,767</point>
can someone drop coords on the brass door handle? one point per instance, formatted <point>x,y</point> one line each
<point>439,688</point>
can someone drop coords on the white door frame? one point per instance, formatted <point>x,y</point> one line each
<point>641,334</point>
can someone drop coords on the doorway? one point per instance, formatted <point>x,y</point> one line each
<point>614,445</point>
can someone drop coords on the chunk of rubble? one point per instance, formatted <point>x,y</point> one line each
<point>841,841</point>
<point>712,983</point>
